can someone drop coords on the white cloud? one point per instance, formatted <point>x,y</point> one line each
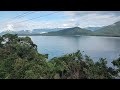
<point>74,18</point>
<point>92,18</point>
<point>10,27</point>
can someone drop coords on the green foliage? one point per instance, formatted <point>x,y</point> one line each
<point>19,59</point>
<point>74,66</point>
<point>116,63</point>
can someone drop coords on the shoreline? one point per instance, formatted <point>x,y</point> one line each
<point>68,35</point>
<point>65,35</point>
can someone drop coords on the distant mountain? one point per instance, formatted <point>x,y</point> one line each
<point>110,30</point>
<point>16,32</point>
<point>40,31</point>
<point>70,31</point>
<point>33,32</point>
<point>24,32</point>
<point>92,28</point>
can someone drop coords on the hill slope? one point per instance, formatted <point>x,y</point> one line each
<point>110,30</point>
<point>38,31</point>
<point>70,31</point>
<point>92,28</point>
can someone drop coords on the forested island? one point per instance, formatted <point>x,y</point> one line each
<point>19,59</point>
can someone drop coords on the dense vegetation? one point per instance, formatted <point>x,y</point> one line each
<point>19,59</point>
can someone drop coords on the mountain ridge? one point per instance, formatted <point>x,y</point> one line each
<point>110,30</point>
<point>92,28</point>
<point>70,31</point>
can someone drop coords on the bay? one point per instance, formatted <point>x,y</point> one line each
<point>94,46</point>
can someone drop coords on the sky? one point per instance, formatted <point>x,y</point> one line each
<point>29,20</point>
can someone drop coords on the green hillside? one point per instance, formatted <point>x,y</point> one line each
<point>70,31</point>
<point>111,30</point>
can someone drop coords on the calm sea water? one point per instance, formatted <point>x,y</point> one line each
<point>94,46</point>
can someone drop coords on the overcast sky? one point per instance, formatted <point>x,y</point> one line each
<point>28,20</point>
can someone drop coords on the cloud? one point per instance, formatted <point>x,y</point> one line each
<point>10,27</point>
<point>73,18</point>
<point>93,18</point>
<point>81,13</point>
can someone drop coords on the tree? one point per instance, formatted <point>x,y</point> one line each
<point>18,56</point>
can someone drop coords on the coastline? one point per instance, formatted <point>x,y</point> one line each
<point>67,35</point>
